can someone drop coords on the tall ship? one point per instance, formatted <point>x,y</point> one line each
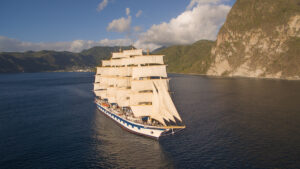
<point>133,90</point>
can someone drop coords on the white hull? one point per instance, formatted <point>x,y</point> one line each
<point>136,128</point>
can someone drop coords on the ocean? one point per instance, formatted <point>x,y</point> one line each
<point>49,120</point>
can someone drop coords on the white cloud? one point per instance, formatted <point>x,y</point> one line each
<point>201,22</point>
<point>120,25</point>
<point>115,42</point>
<point>102,5</point>
<point>139,13</point>
<point>127,11</point>
<point>14,45</point>
<point>137,29</point>
<point>144,46</point>
<point>194,3</point>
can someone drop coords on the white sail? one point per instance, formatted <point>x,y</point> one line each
<point>137,60</point>
<point>148,71</point>
<point>160,112</point>
<point>118,55</point>
<point>156,107</point>
<point>169,103</point>
<point>98,71</point>
<point>123,82</point>
<point>97,92</point>
<point>98,86</point>
<point>164,108</point>
<point>140,98</point>
<point>105,62</point>
<point>111,94</point>
<point>112,91</point>
<point>133,52</point>
<point>123,71</point>
<point>116,62</point>
<point>146,84</point>
<point>141,110</point>
<point>106,81</point>
<point>122,97</point>
<point>101,93</point>
<point>104,71</point>
<point>127,53</point>
<point>151,59</point>
<point>141,85</point>
<point>111,99</point>
<point>115,71</point>
<point>97,78</point>
<point>111,81</point>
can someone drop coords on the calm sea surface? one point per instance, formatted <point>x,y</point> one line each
<point>49,120</point>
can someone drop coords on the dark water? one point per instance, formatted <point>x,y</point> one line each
<point>48,120</point>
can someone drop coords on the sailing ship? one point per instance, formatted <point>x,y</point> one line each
<point>133,90</point>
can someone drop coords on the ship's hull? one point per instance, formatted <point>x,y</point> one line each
<point>138,129</point>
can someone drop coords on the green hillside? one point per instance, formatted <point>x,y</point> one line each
<point>193,58</point>
<point>53,61</point>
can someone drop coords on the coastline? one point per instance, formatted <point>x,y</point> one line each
<point>233,77</point>
<point>192,74</point>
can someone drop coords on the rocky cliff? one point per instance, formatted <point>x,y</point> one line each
<point>260,38</point>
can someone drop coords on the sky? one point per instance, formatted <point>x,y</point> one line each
<point>74,25</point>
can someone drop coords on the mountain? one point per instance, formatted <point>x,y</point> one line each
<point>260,38</point>
<point>54,61</point>
<point>193,58</point>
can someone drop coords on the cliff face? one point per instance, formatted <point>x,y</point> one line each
<point>260,38</point>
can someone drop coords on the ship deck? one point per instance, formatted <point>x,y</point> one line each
<point>137,121</point>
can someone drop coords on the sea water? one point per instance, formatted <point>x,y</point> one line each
<point>49,120</point>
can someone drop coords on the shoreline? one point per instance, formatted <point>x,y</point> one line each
<point>234,77</point>
<point>176,73</point>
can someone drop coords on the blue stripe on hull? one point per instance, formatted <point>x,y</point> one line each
<point>122,122</point>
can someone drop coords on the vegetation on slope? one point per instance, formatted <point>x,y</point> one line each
<point>52,61</point>
<point>260,14</point>
<point>193,58</point>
